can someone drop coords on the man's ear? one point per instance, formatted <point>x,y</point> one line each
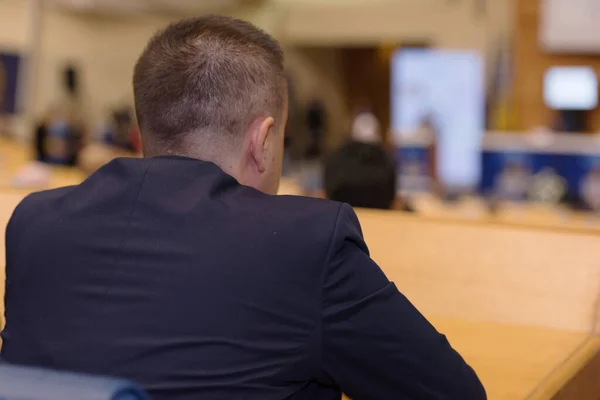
<point>259,142</point>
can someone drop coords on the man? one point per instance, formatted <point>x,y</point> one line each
<point>181,271</point>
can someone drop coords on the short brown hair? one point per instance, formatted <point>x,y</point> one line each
<point>211,75</point>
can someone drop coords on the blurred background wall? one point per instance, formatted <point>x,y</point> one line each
<point>320,37</point>
<point>531,62</point>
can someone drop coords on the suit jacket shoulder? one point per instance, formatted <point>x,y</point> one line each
<point>33,206</point>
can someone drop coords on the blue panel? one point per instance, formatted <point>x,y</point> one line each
<point>572,167</point>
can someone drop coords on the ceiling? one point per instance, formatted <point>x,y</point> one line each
<point>177,7</point>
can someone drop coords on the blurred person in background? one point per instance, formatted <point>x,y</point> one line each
<point>184,272</point>
<point>58,140</point>
<point>309,173</point>
<point>361,172</point>
<point>362,175</point>
<point>59,137</point>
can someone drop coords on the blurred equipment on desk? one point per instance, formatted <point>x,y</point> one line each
<point>590,189</point>
<point>512,184</point>
<point>547,187</point>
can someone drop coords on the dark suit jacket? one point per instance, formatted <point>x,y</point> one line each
<point>168,272</point>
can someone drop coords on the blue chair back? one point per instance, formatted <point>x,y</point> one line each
<point>22,383</point>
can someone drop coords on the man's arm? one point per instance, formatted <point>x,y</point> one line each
<point>375,343</point>
<point>20,217</point>
<point>9,249</point>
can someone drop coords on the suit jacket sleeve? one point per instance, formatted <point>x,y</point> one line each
<point>10,248</point>
<point>20,218</point>
<point>375,343</point>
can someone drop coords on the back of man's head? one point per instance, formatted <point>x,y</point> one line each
<point>362,175</point>
<point>202,83</point>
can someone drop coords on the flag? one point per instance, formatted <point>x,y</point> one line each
<point>501,111</point>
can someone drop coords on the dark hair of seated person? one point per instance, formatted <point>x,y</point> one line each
<point>362,175</point>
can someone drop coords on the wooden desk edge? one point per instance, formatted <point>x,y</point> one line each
<point>575,378</point>
<point>576,374</point>
<point>486,222</point>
